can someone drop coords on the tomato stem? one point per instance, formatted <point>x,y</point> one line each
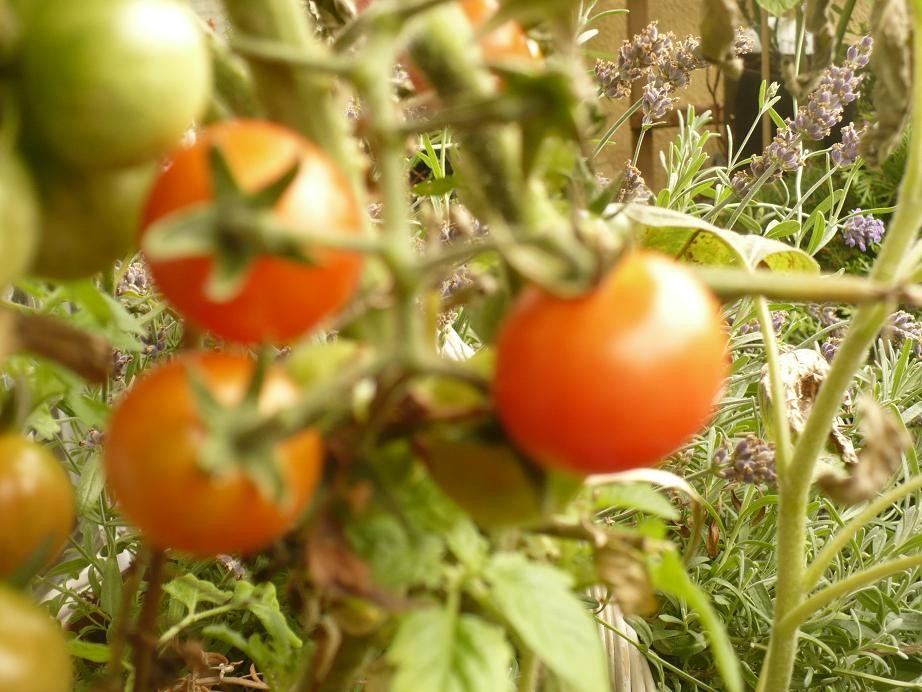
<point>144,639</point>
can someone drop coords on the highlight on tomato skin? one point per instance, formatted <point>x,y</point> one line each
<point>153,454</point>
<point>280,299</point>
<point>618,378</point>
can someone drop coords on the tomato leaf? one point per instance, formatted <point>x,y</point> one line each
<point>537,602</point>
<point>190,591</point>
<point>669,575</point>
<point>450,652</point>
<point>636,496</point>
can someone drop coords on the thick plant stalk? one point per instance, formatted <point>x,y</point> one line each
<point>795,485</point>
<point>300,98</point>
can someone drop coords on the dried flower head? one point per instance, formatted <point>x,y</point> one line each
<point>903,327</point>
<point>751,460</point>
<point>633,187</point>
<point>862,231</point>
<point>779,319</point>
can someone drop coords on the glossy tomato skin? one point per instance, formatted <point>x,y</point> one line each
<point>36,504</point>
<point>20,213</point>
<point>615,379</point>
<point>89,219</point>
<point>153,451</point>
<point>152,461</point>
<point>111,83</point>
<point>33,651</point>
<point>280,299</point>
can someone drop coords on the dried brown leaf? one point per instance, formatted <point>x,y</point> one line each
<point>885,441</point>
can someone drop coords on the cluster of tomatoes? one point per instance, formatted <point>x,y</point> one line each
<point>105,92</point>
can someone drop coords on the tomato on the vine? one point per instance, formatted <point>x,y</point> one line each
<point>89,219</point>
<point>110,83</point>
<point>615,379</point>
<point>34,656</point>
<point>153,460</point>
<point>36,504</point>
<point>280,299</point>
<point>20,214</point>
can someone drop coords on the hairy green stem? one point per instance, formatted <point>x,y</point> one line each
<point>835,545</point>
<point>779,403</point>
<point>529,665</point>
<point>731,284</point>
<point>795,486</point>
<point>294,96</point>
<point>847,586</point>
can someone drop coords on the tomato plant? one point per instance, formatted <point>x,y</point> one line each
<point>33,651</point>
<point>36,490</point>
<point>88,220</point>
<point>280,299</point>
<point>19,209</point>
<point>154,466</point>
<point>615,379</point>
<point>112,82</point>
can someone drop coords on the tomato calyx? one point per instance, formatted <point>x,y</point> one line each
<point>234,230</point>
<point>226,449</point>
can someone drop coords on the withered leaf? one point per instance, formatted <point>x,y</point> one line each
<point>885,442</point>
<point>624,573</point>
<point>802,372</point>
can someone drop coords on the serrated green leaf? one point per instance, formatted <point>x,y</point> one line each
<point>668,574</point>
<point>442,651</point>
<point>537,602</point>
<point>637,496</point>
<point>190,591</point>
<point>398,557</point>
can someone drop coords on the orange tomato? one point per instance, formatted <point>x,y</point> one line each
<point>615,379</point>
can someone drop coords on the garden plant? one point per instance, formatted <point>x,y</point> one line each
<point>337,355</point>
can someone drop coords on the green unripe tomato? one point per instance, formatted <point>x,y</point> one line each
<point>89,219</point>
<point>19,212</point>
<point>33,651</point>
<point>111,83</point>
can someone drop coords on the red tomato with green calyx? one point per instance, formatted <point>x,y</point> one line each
<point>154,452</point>
<point>280,299</point>
<point>615,379</point>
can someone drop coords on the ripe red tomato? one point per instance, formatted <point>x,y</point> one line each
<point>615,379</point>
<point>153,451</point>
<point>33,651</point>
<point>36,504</point>
<point>280,299</point>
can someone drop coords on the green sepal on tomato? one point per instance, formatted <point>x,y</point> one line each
<point>111,83</point>
<point>279,298</point>
<point>157,458</point>
<point>614,379</point>
<point>34,655</point>
<point>36,507</point>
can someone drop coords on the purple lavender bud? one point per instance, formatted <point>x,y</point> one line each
<point>656,101</point>
<point>751,461</point>
<point>830,348</point>
<point>862,231</point>
<point>846,152</point>
<point>633,187</point>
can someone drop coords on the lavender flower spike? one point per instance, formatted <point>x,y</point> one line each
<point>846,152</point>
<point>862,231</point>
